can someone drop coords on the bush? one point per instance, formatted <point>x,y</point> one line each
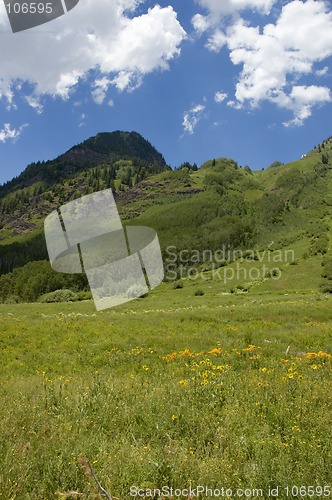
<point>12,299</point>
<point>59,296</point>
<point>177,285</point>
<point>326,287</point>
<point>243,288</point>
<point>325,159</point>
<point>84,295</point>
<point>199,292</point>
<point>275,164</point>
<point>270,273</point>
<point>319,245</point>
<point>247,169</point>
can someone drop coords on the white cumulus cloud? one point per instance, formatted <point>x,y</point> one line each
<point>9,133</point>
<point>276,57</point>
<point>220,96</point>
<point>192,117</point>
<point>219,10</point>
<point>108,38</point>
<point>223,7</point>
<point>35,103</point>
<point>303,98</point>
<point>100,89</point>
<point>322,72</point>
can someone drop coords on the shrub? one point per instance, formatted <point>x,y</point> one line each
<point>12,299</point>
<point>326,287</point>
<point>84,295</point>
<point>59,296</point>
<point>325,159</point>
<point>220,263</point>
<point>270,273</point>
<point>243,288</point>
<point>247,169</point>
<point>199,292</point>
<point>177,285</point>
<point>319,245</point>
<point>250,255</point>
<point>275,164</point>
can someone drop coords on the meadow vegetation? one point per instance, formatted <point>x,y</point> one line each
<point>175,389</point>
<point>222,376</point>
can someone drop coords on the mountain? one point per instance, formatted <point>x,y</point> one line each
<point>220,205</point>
<point>114,160</point>
<point>104,148</point>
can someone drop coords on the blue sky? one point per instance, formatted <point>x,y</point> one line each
<point>246,79</point>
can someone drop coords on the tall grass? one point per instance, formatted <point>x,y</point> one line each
<point>175,395</point>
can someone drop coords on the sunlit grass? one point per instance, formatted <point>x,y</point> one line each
<point>161,391</point>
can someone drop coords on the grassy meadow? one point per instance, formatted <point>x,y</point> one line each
<point>175,389</point>
<point>222,380</point>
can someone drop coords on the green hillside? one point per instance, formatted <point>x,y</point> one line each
<point>220,376</point>
<point>220,207</point>
<point>116,160</point>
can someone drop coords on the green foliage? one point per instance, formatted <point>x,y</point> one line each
<point>216,180</point>
<point>178,285</point>
<point>220,164</point>
<point>223,174</point>
<point>319,245</point>
<point>290,180</point>
<point>317,228</point>
<point>275,164</point>
<point>321,170</point>
<point>35,279</point>
<point>218,204</point>
<point>16,254</point>
<point>247,169</point>
<point>188,166</point>
<point>124,145</point>
<point>103,148</point>
<point>178,174</point>
<point>76,381</point>
<point>319,240</point>
<point>12,299</point>
<point>125,174</point>
<point>327,267</point>
<point>59,296</point>
<point>325,158</point>
<point>84,295</point>
<point>326,284</point>
<point>271,208</point>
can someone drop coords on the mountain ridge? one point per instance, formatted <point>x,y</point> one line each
<point>104,147</point>
<point>191,208</point>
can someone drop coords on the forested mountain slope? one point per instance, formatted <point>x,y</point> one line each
<point>219,205</point>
